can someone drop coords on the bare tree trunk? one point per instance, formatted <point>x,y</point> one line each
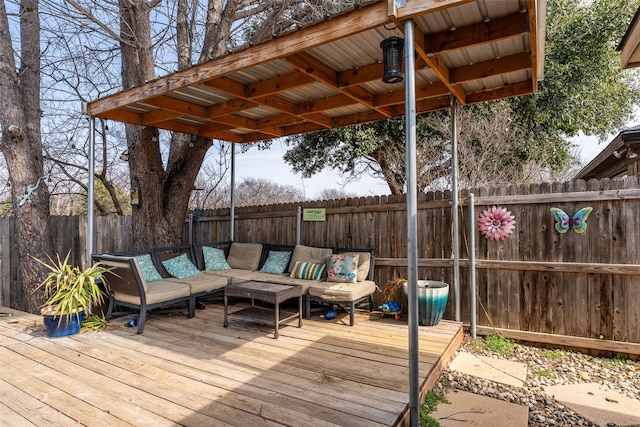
<point>158,219</point>
<point>22,148</point>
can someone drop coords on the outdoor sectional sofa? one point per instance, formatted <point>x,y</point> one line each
<point>161,277</point>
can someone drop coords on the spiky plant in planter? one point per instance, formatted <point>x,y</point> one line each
<point>70,292</point>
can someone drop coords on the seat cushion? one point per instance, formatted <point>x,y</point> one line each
<point>342,292</point>
<point>160,291</point>
<point>202,283</point>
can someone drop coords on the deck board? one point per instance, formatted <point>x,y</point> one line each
<point>194,372</point>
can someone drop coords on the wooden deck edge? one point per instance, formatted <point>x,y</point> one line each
<point>433,376</point>
<point>564,340</point>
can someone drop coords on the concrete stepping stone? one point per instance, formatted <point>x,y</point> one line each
<point>468,409</point>
<point>597,403</point>
<point>489,368</point>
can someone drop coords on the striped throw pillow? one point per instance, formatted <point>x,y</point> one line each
<point>307,270</point>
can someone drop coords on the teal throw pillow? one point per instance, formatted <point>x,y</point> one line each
<point>214,259</point>
<point>276,262</point>
<point>149,272</point>
<point>307,270</point>
<point>181,267</point>
<point>343,268</point>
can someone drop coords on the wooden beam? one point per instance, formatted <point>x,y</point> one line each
<point>439,67</point>
<point>122,116</point>
<point>229,86</point>
<point>230,107</point>
<point>279,120</point>
<point>158,116</point>
<point>485,32</point>
<point>367,73</point>
<point>279,84</point>
<point>563,340</point>
<point>423,105</point>
<point>509,91</point>
<point>432,90</point>
<point>353,119</point>
<point>326,75</point>
<point>360,75</point>
<point>301,128</point>
<point>414,8</point>
<point>494,67</point>
<point>324,104</point>
<point>178,127</point>
<point>224,136</point>
<point>177,106</point>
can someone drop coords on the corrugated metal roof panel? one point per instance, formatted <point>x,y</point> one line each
<point>263,72</point>
<point>200,95</point>
<point>233,85</point>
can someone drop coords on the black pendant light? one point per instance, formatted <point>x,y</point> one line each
<point>392,57</point>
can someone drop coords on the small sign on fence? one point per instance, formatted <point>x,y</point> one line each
<point>314,214</point>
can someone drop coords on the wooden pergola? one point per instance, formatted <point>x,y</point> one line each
<point>328,75</point>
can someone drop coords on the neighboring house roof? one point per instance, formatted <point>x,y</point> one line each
<point>630,44</point>
<point>616,158</point>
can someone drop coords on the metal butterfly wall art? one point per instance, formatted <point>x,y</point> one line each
<point>577,222</point>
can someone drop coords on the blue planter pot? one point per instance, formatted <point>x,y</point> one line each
<point>432,300</point>
<point>62,326</point>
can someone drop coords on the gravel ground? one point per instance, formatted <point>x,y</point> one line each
<point>546,368</point>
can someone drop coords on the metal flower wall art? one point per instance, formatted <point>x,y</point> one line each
<point>496,223</point>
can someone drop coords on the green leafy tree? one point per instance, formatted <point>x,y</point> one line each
<point>584,90</point>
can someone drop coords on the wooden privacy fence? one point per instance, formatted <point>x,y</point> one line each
<point>580,290</point>
<point>536,285</point>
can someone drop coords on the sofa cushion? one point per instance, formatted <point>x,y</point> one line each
<point>159,291</point>
<point>244,256</point>
<point>148,270</point>
<point>230,274</point>
<point>343,268</point>
<point>276,262</point>
<point>342,292</point>
<point>309,254</point>
<point>202,283</point>
<point>307,270</point>
<point>214,259</point>
<point>181,267</point>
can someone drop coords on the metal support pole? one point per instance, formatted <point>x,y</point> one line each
<point>298,224</point>
<point>472,263</point>
<point>412,223</point>
<point>90,195</point>
<point>455,207</point>
<point>232,208</point>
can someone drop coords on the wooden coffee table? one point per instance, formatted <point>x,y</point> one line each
<point>267,292</point>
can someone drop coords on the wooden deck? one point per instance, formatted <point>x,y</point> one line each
<point>194,372</point>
